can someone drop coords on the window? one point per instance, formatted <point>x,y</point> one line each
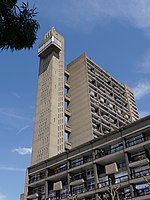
<point>134,140</point>
<point>121,177</point>
<point>89,173</point>
<point>87,158</point>
<point>77,162</point>
<point>60,168</point>
<point>40,190</point>
<point>121,166</point>
<point>116,147</point>
<point>77,176</point>
<point>90,185</point>
<point>52,195</point>
<point>64,193</point>
<point>103,181</point>
<point>137,156</point>
<point>140,171</point>
<point>142,189</point>
<point>78,189</point>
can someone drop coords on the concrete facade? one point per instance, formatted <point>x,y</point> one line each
<point>79,111</point>
<point>99,103</point>
<point>48,137</point>
<point>80,120</point>
<point>87,104</point>
<point>119,159</point>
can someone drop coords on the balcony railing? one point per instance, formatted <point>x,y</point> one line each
<point>138,174</point>
<point>147,137</point>
<point>134,141</point>
<point>137,140</point>
<point>62,196</point>
<point>105,152</point>
<point>83,189</point>
<point>81,162</point>
<point>103,184</point>
<point>57,170</point>
<point>79,190</point>
<point>77,177</point>
<point>76,163</point>
<point>138,157</point>
<point>36,178</point>
<point>143,191</point>
<point>120,179</point>
<point>34,195</point>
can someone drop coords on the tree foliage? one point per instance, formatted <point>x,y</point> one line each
<point>18,28</point>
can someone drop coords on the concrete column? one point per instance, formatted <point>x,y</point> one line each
<point>96,180</point>
<point>46,190</point>
<point>68,177</point>
<point>128,168</point>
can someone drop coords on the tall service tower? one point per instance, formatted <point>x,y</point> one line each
<point>48,139</point>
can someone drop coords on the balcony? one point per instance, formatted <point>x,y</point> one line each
<point>36,178</point>
<point>67,128</point>
<point>67,85</point>
<point>77,182</point>
<point>66,73</point>
<point>67,98</point>
<point>36,193</point>
<point>147,137</point>
<point>141,173</point>
<point>60,172</point>
<point>78,189</point>
<point>91,72</point>
<point>142,190</point>
<point>76,163</point>
<point>81,161</point>
<point>139,162</point>
<point>137,141</point>
<point>104,152</point>
<point>92,86</point>
<point>67,146</point>
<point>33,196</point>
<point>104,156</point>
<point>97,132</point>
<point>57,170</point>
<point>138,159</point>
<point>58,196</point>
<point>67,113</point>
<point>121,179</point>
<point>117,180</point>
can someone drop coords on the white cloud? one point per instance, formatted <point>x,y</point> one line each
<point>142,89</point>
<point>2,196</point>
<point>23,150</point>
<point>15,94</point>
<point>14,169</point>
<point>6,112</point>
<point>13,118</point>
<point>144,64</point>
<point>22,129</point>
<point>90,13</point>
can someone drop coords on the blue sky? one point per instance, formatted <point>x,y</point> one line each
<point>115,34</point>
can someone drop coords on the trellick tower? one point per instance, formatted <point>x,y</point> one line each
<point>48,139</point>
<point>87,105</point>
